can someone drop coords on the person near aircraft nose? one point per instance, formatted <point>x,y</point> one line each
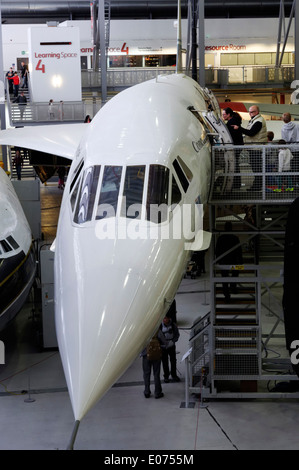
<point>171,335</point>
<point>151,360</point>
<point>255,133</point>
<point>234,119</point>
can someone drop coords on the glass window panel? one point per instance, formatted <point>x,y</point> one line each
<point>108,199</point>
<point>76,175</point>
<point>74,194</point>
<point>5,246</point>
<point>157,196</point>
<point>263,58</point>
<point>12,242</point>
<point>186,169</point>
<point>181,175</point>
<point>228,59</point>
<point>86,198</point>
<point>245,59</point>
<point>133,192</point>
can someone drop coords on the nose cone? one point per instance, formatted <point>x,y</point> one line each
<point>106,310</point>
<point>96,326</point>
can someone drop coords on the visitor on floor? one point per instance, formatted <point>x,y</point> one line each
<point>171,335</point>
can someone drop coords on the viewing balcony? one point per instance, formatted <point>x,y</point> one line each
<point>254,174</point>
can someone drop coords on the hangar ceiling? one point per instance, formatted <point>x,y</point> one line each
<point>39,11</point>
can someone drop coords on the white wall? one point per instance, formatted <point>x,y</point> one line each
<point>149,36</point>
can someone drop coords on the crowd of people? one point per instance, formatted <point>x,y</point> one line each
<point>17,80</point>
<point>256,133</point>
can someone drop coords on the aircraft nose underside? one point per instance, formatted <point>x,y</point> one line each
<point>100,321</point>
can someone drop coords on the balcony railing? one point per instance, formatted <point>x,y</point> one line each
<point>254,173</point>
<point>119,78</point>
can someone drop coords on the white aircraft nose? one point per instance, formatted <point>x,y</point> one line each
<point>96,331</point>
<point>106,309</point>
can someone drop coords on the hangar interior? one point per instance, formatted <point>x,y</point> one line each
<point>238,347</point>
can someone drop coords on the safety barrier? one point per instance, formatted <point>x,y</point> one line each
<point>259,173</point>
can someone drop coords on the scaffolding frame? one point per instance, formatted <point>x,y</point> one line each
<point>231,347</point>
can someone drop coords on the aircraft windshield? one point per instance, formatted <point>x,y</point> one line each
<point>125,188</point>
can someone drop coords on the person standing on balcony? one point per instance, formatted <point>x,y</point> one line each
<point>290,133</point>
<point>255,133</point>
<point>234,119</point>
<point>289,130</point>
<point>51,110</point>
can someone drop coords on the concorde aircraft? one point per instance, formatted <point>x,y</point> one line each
<point>129,221</point>
<point>17,259</point>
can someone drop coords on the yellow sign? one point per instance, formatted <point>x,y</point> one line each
<point>239,267</point>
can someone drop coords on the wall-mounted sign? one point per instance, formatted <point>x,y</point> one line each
<point>54,63</point>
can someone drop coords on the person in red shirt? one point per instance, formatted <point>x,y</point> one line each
<point>16,83</point>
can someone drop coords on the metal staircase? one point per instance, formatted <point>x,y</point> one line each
<point>239,347</point>
<point>27,171</point>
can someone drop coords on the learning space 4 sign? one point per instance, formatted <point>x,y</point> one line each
<point>55,64</point>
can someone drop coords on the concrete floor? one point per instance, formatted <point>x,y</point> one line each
<point>36,414</point>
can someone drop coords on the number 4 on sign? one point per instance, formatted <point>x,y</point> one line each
<point>124,48</point>
<point>40,66</point>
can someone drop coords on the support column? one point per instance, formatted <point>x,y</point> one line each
<point>296,19</point>
<point>103,59</point>
<point>2,96</point>
<point>201,43</point>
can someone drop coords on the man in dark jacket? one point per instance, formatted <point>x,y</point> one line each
<point>234,119</point>
<point>171,335</point>
<point>22,100</point>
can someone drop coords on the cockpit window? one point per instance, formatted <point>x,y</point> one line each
<point>181,175</point>
<point>76,174</point>
<point>8,245</point>
<point>4,247</point>
<point>108,199</point>
<point>133,192</point>
<point>185,169</point>
<point>157,197</point>
<point>74,186</point>
<point>86,197</point>
<point>12,242</point>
